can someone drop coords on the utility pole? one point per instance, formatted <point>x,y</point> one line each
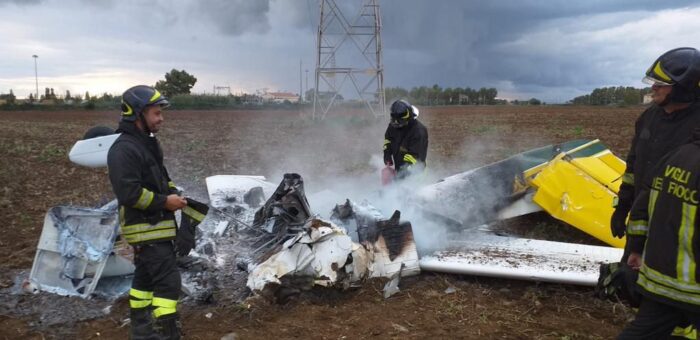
<point>357,44</point>
<point>300,88</point>
<point>36,77</point>
<point>307,82</point>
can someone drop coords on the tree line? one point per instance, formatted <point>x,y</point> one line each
<point>436,95</point>
<point>613,95</point>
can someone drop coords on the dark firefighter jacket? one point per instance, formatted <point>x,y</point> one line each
<point>664,228</point>
<point>407,145</point>
<point>141,183</point>
<point>655,134</point>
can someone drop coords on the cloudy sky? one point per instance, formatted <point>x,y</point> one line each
<point>553,50</point>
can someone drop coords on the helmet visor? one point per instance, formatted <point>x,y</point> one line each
<point>162,102</point>
<point>398,122</point>
<point>653,81</point>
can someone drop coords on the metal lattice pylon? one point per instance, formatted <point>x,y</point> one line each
<point>349,51</point>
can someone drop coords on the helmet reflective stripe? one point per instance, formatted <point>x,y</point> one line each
<point>660,72</point>
<point>137,98</point>
<point>154,97</point>
<point>408,114</point>
<point>129,111</point>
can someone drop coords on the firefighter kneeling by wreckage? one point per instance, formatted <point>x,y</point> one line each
<point>148,200</point>
<point>405,143</point>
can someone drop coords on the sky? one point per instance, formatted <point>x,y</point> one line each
<point>551,50</point>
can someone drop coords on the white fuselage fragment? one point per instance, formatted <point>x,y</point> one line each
<point>92,152</point>
<point>523,259</point>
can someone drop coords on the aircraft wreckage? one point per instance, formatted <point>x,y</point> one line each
<point>274,233</point>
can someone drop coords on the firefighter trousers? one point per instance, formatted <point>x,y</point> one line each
<point>156,282</point>
<point>657,320</point>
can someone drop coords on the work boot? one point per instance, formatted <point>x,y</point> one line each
<point>168,327</point>
<point>141,324</point>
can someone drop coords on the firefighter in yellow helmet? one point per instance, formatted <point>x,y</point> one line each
<point>147,200</point>
<point>664,126</point>
<point>668,124</point>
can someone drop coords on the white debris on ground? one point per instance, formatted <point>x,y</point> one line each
<point>321,252</point>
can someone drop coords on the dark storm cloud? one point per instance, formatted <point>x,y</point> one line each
<point>457,43</point>
<point>236,17</point>
<point>553,50</point>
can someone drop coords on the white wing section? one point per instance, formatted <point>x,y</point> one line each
<point>523,259</point>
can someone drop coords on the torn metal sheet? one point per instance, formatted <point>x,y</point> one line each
<point>322,251</point>
<point>325,253</point>
<point>390,241</point>
<point>286,206</point>
<point>76,252</point>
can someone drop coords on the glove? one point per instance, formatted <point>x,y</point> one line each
<point>618,222</point>
<point>192,214</point>
<point>184,240</point>
<point>387,158</point>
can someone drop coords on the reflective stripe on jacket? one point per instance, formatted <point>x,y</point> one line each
<point>656,133</point>
<point>407,145</point>
<point>664,229</point>
<point>141,183</point>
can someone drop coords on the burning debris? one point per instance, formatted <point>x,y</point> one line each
<point>269,239</point>
<point>301,251</point>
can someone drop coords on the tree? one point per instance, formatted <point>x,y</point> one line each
<point>87,95</point>
<point>11,97</point>
<point>175,83</point>
<point>612,95</point>
<point>68,97</point>
<point>31,98</point>
<point>309,95</point>
<point>534,101</point>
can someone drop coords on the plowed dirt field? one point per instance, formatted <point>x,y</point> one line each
<point>35,174</point>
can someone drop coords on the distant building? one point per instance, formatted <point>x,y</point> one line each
<point>647,98</point>
<point>280,97</point>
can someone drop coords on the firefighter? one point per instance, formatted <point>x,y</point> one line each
<point>405,140</point>
<point>663,127</point>
<point>147,202</point>
<point>665,246</point>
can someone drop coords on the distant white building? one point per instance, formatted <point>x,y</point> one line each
<point>647,98</point>
<point>280,97</point>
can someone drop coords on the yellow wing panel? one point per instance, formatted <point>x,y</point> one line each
<point>580,192</point>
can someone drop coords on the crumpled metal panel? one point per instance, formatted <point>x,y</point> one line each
<point>76,249</point>
<point>580,191</point>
